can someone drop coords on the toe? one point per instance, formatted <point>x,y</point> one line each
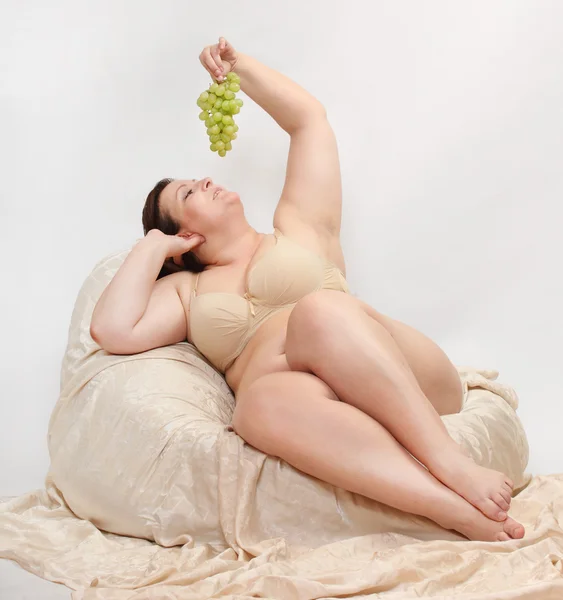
<point>500,501</point>
<point>513,528</point>
<point>491,509</point>
<point>507,489</point>
<point>506,496</point>
<point>503,537</point>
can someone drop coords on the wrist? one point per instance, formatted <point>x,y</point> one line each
<point>156,243</point>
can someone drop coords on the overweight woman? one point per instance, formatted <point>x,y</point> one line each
<point>321,379</point>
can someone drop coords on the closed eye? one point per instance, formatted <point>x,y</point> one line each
<point>189,192</point>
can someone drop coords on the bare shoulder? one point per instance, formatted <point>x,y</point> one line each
<point>318,240</point>
<point>183,282</point>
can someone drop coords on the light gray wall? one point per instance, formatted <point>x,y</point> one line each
<point>448,117</point>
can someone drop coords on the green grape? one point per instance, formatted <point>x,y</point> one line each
<point>217,104</point>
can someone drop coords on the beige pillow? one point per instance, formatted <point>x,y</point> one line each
<point>141,446</point>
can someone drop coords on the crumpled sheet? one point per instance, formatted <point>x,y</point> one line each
<point>141,447</point>
<point>40,532</point>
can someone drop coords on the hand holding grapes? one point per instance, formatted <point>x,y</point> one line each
<point>219,59</point>
<point>219,103</point>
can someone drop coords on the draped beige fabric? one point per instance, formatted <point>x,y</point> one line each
<point>141,447</point>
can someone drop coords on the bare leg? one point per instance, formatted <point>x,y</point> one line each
<point>329,334</point>
<point>297,417</point>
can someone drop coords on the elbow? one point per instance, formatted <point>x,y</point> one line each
<point>114,344</point>
<point>312,112</point>
<point>316,110</point>
<point>95,333</point>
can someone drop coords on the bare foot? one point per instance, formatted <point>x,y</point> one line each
<point>489,491</point>
<point>474,525</point>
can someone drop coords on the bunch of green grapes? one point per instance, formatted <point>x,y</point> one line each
<point>218,105</point>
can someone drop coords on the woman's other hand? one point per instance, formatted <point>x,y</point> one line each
<point>178,244</point>
<point>219,59</point>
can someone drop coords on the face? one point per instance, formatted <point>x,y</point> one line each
<point>200,206</point>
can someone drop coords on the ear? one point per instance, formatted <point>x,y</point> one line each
<point>177,260</point>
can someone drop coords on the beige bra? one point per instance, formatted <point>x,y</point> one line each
<point>221,323</point>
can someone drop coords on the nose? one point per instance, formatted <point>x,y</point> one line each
<point>206,184</point>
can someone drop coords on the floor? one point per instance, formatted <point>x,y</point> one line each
<point>17,584</point>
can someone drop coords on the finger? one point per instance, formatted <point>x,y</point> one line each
<point>208,63</point>
<point>195,239</point>
<point>215,53</point>
<point>202,60</point>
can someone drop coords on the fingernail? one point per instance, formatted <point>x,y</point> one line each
<point>502,515</point>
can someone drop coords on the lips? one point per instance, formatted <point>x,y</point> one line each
<point>217,192</point>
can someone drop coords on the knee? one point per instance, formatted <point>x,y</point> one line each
<point>310,325</point>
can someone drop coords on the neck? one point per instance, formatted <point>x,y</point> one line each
<point>233,247</point>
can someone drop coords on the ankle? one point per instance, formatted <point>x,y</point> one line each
<point>448,460</point>
<point>451,514</point>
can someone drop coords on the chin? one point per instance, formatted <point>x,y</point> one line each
<point>232,196</point>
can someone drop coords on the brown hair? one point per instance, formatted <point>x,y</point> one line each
<point>155,218</point>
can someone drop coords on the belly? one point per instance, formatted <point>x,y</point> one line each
<point>264,353</point>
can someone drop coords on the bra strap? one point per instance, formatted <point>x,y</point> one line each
<point>196,282</point>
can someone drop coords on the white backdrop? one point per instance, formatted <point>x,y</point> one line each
<point>450,129</point>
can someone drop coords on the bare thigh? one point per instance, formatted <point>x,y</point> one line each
<point>436,375</point>
<point>269,393</point>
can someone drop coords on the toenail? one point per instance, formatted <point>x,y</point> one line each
<point>502,515</point>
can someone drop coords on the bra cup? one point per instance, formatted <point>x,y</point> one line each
<point>217,327</point>
<point>284,280</point>
<point>221,324</point>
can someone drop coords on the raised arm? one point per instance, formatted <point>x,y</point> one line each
<point>311,199</point>
<point>284,100</point>
<point>312,194</point>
